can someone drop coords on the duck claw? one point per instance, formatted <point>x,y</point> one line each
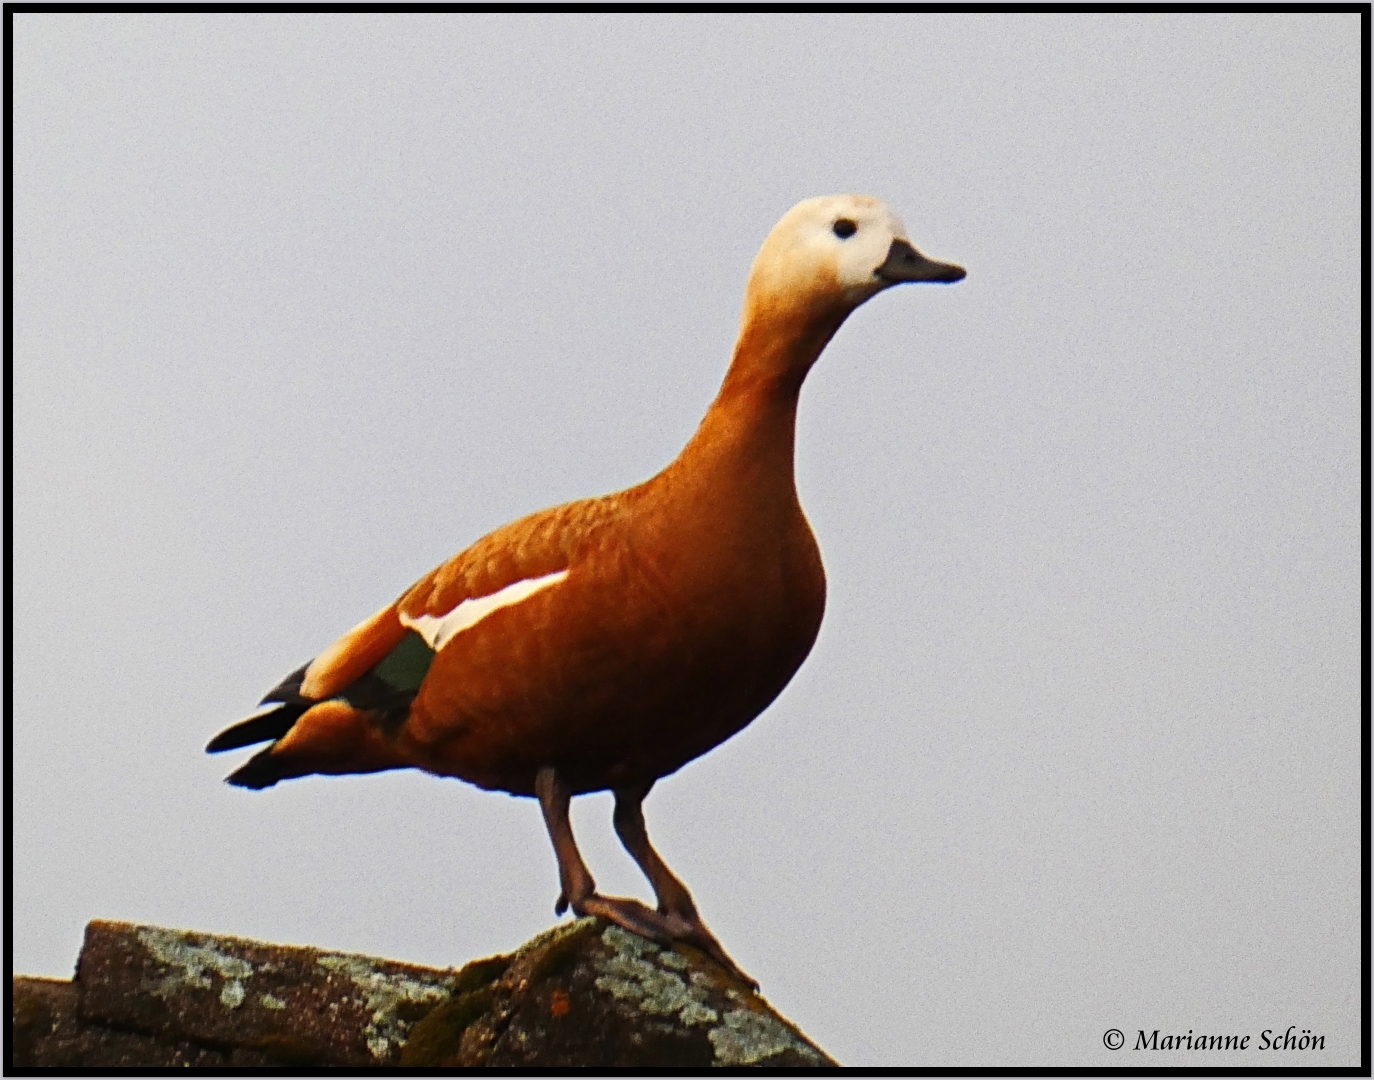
<point>664,927</point>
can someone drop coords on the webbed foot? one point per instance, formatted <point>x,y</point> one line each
<point>664,927</point>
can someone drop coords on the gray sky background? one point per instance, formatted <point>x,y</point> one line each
<point>304,305</point>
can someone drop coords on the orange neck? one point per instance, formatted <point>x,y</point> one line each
<point>746,438</point>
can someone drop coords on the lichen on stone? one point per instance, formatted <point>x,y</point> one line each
<point>622,941</point>
<point>386,999</point>
<point>190,965</point>
<point>674,960</point>
<point>233,994</point>
<point>746,1038</point>
<point>633,974</point>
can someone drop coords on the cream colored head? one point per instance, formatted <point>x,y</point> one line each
<point>830,254</point>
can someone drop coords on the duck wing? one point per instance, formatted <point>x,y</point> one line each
<point>379,665</point>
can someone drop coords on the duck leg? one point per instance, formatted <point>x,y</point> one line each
<point>675,905</point>
<point>579,889</point>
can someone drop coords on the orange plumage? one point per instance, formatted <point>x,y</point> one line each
<point>605,643</point>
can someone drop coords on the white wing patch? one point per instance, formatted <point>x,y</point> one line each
<point>439,630</point>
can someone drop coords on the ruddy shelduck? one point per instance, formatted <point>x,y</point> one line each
<point>603,644</point>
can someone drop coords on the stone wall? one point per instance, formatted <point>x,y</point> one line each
<point>581,994</point>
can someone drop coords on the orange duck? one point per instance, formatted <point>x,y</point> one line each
<point>605,643</point>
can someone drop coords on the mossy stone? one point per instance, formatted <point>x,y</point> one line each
<point>562,952</point>
<point>480,973</point>
<point>437,1038</point>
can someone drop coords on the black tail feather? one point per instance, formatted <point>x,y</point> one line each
<point>289,689</point>
<point>257,729</point>
<point>262,770</point>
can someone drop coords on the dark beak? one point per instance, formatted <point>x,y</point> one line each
<point>905,263</point>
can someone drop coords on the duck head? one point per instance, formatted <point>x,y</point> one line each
<point>821,261</point>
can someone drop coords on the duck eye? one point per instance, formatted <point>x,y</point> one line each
<point>844,228</point>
